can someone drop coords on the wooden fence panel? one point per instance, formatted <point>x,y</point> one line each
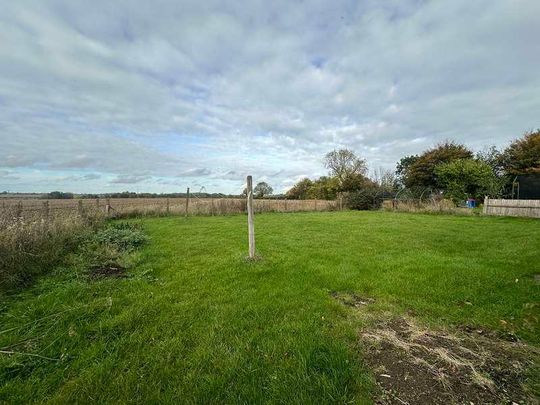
<point>512,208</point>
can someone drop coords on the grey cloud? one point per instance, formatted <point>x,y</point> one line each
<point>129,179</point>
<point>217,90</point>
<point>198,172</point>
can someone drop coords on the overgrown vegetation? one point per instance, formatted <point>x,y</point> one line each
<point>192,321</point>
<point>123,236</point>
<point>30,246</point>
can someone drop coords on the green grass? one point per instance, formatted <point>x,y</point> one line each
<point>197,323</point>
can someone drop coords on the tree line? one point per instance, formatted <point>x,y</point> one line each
<point>449,169</point>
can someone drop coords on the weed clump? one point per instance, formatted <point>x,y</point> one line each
<point>123,236</point>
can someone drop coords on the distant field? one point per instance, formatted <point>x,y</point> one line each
<point>151,206</point>
<point>196,323</point>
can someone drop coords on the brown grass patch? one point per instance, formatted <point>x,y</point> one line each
<point>413,364</point>
<point>416,365</point>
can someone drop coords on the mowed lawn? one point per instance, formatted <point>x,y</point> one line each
<point>197,323</point>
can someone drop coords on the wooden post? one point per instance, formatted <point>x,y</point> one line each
<point>19,209</point>
<point>251,228</point>
<point>80,208</point>
<point>107,206</point>
<point>486,202</point>
<point>187,202</point>
<point>46,210</point>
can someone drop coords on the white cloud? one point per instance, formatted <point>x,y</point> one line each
<point>170,94</point>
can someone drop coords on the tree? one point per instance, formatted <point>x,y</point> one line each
<point>325,188</point>
<point>402,167</point>
<point>523,155</point>
<point>262,189</point>
<point>346,167</point>
<point>468,178</point>
<point>58,195</point>
<point>421,173</point>
<point>300,190</point>
<point>386,180</point>
<point>492,157</point>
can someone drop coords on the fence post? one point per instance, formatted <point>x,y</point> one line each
<point>187,202</point>
<point>80,208</point>
<point>168,207</point>
<point>107,206</point>
<point>486,203</point>
<point>19,211</point>
<point>46,210</point>
<point>251,229</point>
<point>97,205</point>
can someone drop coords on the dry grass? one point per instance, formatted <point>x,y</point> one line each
<point>31,244</point>
<point>122,207</point>
<point>428,206</point>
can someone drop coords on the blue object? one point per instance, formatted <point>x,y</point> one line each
<point>471,203</point>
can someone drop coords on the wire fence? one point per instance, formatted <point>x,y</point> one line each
<point>121,207</point>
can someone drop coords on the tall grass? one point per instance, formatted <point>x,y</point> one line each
<point>427,206</point>
<point>135,207</point>
<point>31,244</point>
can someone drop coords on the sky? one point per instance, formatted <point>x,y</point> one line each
<point>157,96</point>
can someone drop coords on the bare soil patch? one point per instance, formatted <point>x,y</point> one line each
<point>415,365</point>
<point>351,299</point>
<point>412,364</point>
<point>111,270</point>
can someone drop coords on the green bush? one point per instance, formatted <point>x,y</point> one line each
<point>370,198</point>
<point>122,235</point>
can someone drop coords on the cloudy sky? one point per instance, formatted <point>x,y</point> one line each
<point>104,95</point>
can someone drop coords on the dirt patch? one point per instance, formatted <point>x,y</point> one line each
<point>351,299</point>
<point>414,365</point>
<point>112,270</point>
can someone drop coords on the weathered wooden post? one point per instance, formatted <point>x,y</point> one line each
<point>187,202</point>
<point>251,228</point>
<point>46,210</point>
<point>107,206</point>
<point>80,208</point>
<point>97,205</point>
<point>486,202</point>
<point>19,211</point>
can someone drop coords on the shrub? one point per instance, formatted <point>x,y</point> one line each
<point>468,178</point>
<point>122,235</point>
<point>365,199</point>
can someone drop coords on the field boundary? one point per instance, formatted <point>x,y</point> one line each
<point>160,206</point>
<point>513,208</point>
